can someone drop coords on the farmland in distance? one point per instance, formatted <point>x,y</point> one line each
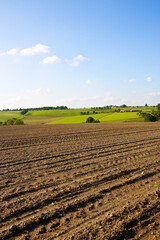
<point>80,181</point>
<point>69,116</point>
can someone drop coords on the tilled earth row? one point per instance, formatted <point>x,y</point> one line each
<point>81,181</point>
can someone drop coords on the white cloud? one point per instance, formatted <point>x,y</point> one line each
<point>12,52</point>
<point>78,102</point>
<point>14,101</point>
<point>88,98</point>
<point>37,49</point>
<point>76,61</point>
<point>89,82</point>
<point>74,64</point>
<point>79,58</point>
<point>109,99</point>
<point>152,95</point>
<point>42,91</point>
<point>42,49</point>
<point>39,91</point>
<point>149,79</point>
<point>51,60</point>
<point>27,98</point>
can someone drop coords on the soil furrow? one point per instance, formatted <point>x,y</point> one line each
<point>81,181</point>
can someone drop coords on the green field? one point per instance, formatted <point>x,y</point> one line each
<point>139,108</point>
<point>72,116</point>
<point>103,117</point>
<point>57,113</point>
<point>77,119</point>
<point>77,112</point>
<point>5,115</point>
<point>121,117</point>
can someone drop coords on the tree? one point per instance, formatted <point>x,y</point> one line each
<point>24,111</point>
<point>156,114</point>
<point>123,106</point>
<point>92,120</point>
<point>158,107</point>
<point>18,122</point>
<point>11,121</point>
<point>149,117</point>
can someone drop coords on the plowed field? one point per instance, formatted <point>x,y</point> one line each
<point>82,181</point>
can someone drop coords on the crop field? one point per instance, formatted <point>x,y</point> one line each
<point>121,117</point>
<point>40,119</point>
<point>70,116</point>
<point>78,119</point>
<point>80,181</point>
<point>103,117</point>
<point>56,113</point>
<point>77,112</point>
<point>5,115</point>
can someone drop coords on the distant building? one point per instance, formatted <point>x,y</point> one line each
<point>132,110</point>
<point>125,110</point>
<point>135,110</point>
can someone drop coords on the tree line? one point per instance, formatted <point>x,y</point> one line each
<point>36,108</point>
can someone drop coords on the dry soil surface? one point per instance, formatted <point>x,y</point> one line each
<point>82,181</point>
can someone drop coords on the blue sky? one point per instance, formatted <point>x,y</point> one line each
<point>79,53</point>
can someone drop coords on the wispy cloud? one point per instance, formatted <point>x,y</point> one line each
<point>111,99</point>
<point>76,60</point>
<point>39,91</point>
<point>37,49</point>
<point>12,52</point>
<point>149,79</point>
<point>74,64</point>
<point>79,102</point>
<point>43,49</point>
<point>42,91</point>
<point>152,95</point>
<point>131,80</point>
<point>79,58</point>
<point>26,98</point>
<point>89,82</point>
<point>51,60</point>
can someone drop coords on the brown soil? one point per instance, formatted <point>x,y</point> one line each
<point>81,181</point>
<point>40,119</point>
